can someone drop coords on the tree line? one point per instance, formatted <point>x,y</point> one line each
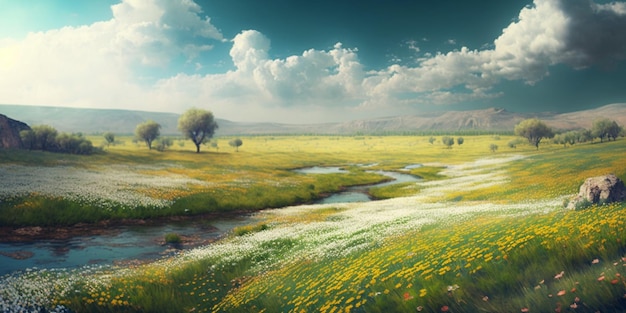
<point>47,138</point>
<point>535,130</point>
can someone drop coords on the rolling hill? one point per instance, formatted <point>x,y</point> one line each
<point>92,121</point>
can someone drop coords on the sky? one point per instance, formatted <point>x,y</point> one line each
<point>294,61</point>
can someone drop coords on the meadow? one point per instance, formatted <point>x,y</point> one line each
<point>484,231</point>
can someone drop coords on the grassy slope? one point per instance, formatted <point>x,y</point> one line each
<point>502,261</point>
<point>256,177</point>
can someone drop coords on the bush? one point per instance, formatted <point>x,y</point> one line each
<point>46,138</point>
<point>173,238</point>
<point>163,144</point>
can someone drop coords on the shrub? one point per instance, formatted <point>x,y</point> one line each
<point>163,144</point>
<point>493,147</point>
<point>173,238</point>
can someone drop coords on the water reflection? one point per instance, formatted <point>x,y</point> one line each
<point>120,244</point>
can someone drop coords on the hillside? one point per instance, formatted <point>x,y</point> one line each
<point>124,121</point>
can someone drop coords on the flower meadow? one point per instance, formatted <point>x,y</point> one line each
<point>115,184</point>
<point>468,242</point>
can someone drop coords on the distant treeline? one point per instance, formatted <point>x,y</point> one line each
<point>465,132</point>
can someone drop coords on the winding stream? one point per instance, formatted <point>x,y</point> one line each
<point>144,243</point>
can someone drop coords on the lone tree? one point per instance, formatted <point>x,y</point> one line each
<point>236,143</point>
<point>148,132</point>
<point>534,130</point>
<point>197,125</point>
<point>109,137</point>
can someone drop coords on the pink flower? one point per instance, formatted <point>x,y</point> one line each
<point>561,293</point>
<point>524,310</point>
<point>595,261</point>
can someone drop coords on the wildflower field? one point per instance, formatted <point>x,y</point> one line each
<point>483,232</point>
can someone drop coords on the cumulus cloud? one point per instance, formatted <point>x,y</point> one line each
<point>322,77</point>
<point>579,33</point>
<point>99,64</point>
<point>95,65</point>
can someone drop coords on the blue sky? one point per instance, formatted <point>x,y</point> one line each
<point>313,61</point>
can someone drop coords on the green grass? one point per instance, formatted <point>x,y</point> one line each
<point>264,163</point>
<point>504,260</point>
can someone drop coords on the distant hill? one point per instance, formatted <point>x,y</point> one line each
<point>91,121</point>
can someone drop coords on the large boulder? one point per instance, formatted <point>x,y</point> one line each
<point>599,189</point>
<point>10,133</point>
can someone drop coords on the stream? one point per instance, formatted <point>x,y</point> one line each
<point>127,244</point>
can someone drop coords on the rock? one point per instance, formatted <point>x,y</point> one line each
<point>10,133</point>
<point>600,189</point>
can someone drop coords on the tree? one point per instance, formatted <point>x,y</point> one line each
<point>534,130</point>
<point>586,135</point>
<point>431,140</point>
<point>148,132</point>
<point>448,141</point>
<point>493,147</point>
<point>28,139</point>
<point>197,125</point>
<point>572,137</point>
<point>109,137</point>
<point>559,139</point>
<point>604,127</point>
<point>614,130</point>
<point>45,137</point>
<point>236,143</point>
<point>600,128</point>
<point>460,141</point>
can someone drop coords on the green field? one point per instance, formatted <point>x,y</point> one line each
<point>483,232</point>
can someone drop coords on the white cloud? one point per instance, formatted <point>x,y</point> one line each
<point>100,65</point>
<point>575,32</point>
<point>316,79</point>
<point>94,65</point>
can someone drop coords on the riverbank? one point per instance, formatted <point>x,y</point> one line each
<point>106,227</point>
